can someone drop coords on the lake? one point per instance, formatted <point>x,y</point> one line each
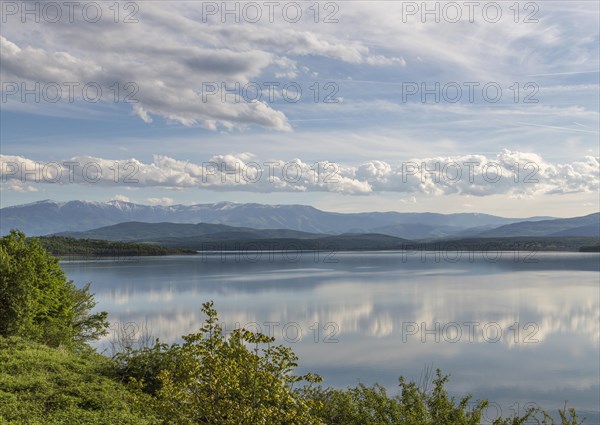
<point>515,328</point>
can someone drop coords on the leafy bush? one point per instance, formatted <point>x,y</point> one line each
<point>220,380</point>
<point>364,405</point>
<point>371,405</point>
<point>36,300</point>
<point>145,365</point>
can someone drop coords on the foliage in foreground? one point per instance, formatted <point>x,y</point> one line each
<point>46,386</point>
<point>243,379</point>
<point>211,379</point>
<point>214,379</point>
<point>36,300</point>
<point>372,405</point>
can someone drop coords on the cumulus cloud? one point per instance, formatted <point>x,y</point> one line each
<point>122,198</point>
<point>150,87</point>
<point>511,173</point>
<point>19,187</point>
<point>160,201</point>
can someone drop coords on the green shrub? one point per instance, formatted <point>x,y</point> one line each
<point>371,405</point>
<point>145,365</point>
<point>45,386</point>
<point>220,380</point>
<point>36,300</point>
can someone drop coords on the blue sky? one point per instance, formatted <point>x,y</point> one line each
<point>374,63</point>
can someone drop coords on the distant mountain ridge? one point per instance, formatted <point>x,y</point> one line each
<point>157,232</point>
<point>588,225</point>
<point>217,237</point>
<point>210,237</point>
<point>49,217</point>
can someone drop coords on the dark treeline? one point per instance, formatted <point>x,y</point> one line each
<point>61,246</point>
<point>377,242</point>
<point>590,248</point>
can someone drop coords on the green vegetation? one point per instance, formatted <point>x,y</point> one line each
<point>516,243</point>
<point>590,248</point>
<point>66,247</point>
<point>378,242</point>
<point>48,375</point>
<point>230,382</point>
<point>40,385</point>
<point>36,300</point>
<point>243,379</point>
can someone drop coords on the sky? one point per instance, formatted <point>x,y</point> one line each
<point>347,106</point>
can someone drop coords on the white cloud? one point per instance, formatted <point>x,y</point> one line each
<point>156,87</point>
<point>510,173</point>
<point>160,201</point>
<point>18,187</point>
<point>168,54</point>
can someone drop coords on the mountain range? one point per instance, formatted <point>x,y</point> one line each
<point>588,225</point>
<point>217,237</point>
<point>135,231</point>
<point>50,217</point>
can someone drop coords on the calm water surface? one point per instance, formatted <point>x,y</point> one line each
<point>512,329</point>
